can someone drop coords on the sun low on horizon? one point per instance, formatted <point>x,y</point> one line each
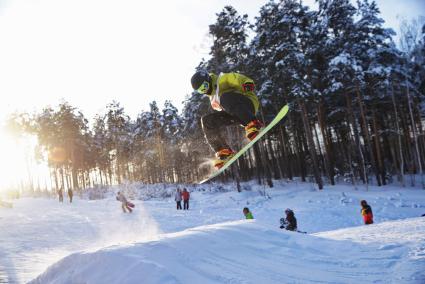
<point>17,167</point>
<point>12,165</point>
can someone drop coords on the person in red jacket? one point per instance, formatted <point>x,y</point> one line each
<point>366,212</point>
<point>186,197</point>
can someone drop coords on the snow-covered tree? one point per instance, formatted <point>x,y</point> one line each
<point>229,34</point>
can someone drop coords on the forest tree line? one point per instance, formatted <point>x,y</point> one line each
<point>356,100</point>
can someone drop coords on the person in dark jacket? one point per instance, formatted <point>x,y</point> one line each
<point>366,212</point>
<point>70,195</point>
<point>247,213</point>
<point>60,194</point>
<point>290,222</point>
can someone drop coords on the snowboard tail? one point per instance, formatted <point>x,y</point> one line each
<point>280,115</point>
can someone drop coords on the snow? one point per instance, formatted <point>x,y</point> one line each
<point>92,241</point>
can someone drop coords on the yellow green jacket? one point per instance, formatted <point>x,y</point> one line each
<point>249,216</point>
<point>234,82</point>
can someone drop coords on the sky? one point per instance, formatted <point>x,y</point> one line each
<point>91,52</point>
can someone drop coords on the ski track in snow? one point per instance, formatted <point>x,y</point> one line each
<point>207,245</point>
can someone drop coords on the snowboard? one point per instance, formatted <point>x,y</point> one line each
<point>131,205</point>
<point>280,115</point>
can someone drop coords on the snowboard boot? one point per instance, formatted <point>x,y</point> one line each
<point>253,128</point>
<point>222,157</point>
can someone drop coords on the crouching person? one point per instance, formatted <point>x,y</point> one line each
<point>366,212</point>
<point>247,213</point>
<point>289,222</point>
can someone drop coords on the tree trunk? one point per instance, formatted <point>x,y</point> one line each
<point>367,136</point>
<point>353,123</point>
<point>378,148</point>
<point>415,136</point>
<point>400,151</point>
<point>311,146</point>
<point>328,152</point>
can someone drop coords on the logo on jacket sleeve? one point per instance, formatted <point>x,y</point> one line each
<point>248,87</point>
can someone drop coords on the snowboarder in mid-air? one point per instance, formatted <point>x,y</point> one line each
<point>233,97</point>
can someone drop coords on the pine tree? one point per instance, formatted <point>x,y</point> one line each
<point>229,49</point>
<point>118,126</point>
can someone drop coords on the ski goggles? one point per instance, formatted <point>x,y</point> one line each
<point>203,89</point>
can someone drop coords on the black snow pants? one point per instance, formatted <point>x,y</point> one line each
<point>185,204</point>
<point>237,109</point>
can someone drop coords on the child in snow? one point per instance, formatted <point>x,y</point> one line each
<point>233,96</point>
<point>124,203</point>
<point>178,199</point>
<point>186,197</point>
<point>247,213</point>
<point>60,194</point>
<point>290,222</point>
<point>366,212</point>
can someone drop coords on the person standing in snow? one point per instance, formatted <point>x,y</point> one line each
<point>186,197</point>
<point>290,222</point>
<point>233,97</point>
<point>366,212</point>
<point>124,203</point>
<point>247,213</point>
<point>70,195</point>
<point>178,199</point>
<point>60,195</point>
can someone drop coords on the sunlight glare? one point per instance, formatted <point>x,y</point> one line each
<point>12,165</point>
<point>17,166</point>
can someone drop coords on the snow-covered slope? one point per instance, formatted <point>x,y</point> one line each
<point>37,233</point>
<point>247,252</point>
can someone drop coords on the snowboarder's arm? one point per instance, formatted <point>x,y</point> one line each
<point>282,223</point>
<point>237,82</point>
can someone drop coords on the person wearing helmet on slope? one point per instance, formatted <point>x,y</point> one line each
<point>233,97</point>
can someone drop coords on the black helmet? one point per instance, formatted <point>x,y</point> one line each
<point>199,77</point>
